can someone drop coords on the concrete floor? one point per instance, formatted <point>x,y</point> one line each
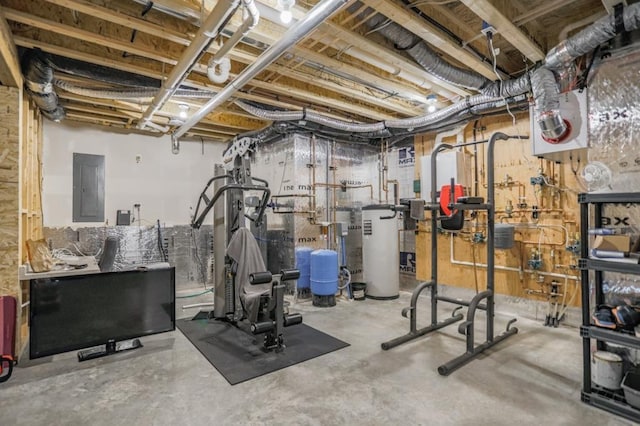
<point>533,378</point>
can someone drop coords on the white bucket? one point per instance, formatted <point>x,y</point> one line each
<point>606,370</point>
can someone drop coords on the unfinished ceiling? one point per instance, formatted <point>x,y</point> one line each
<point>345,68</point>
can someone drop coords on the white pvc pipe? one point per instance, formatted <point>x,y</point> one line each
<point>209,30</point>
<point>453,261</point>
<point>219,65</point>
<point>315,17</point>
<point>197,305</point>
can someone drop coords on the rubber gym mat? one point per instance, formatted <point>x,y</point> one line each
<point>239,356</point>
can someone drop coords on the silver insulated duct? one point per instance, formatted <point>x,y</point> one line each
<point>604,29</point>
<point>38,76</point>
<point>541,81</point>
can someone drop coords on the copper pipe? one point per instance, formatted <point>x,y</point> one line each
<point>333,178</point>
<point>312,203</point>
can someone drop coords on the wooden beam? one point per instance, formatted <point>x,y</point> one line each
<point>10,74</point>
<point>356,93</point>
<point>223,123</point>
<point>110,15</point>
<point>351,38</point>
<point>68,31</point>
<point>267,33</point>
<point>96,118</point>
<point>535,29</point>
<point>511,33</point>
<point>343,105</point>
<point>336,65</point>
<point>430,34</point>
<point>91,37</point>
<point>93,119</point>
<point>93,110</point>
<point>544,9</point>
<point>94,59</point>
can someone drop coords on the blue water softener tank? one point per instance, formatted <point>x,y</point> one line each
<point>303,264</point>
<point>324,277</point>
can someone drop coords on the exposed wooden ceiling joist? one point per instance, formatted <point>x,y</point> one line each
<point>83,35</point>
<point>323,100</point>
<point>147,52</point>
<point>93,59</point>
<point>88,8</point>
<point>430,34</point>
<point>337,69</point>
<point>351,38</point>
<point>545,8</point>
<point>268,35</point>
<point>10,74</point>
<point>485,10</point>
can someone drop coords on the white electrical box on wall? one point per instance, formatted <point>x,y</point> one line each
<point>450,164</point>
<point>573,108</point>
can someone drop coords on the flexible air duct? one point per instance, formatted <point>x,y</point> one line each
<point>433,64</point>
<point>98,72</point>
<point>540,81</point>
<point>547,101</point>
<point>346,126</point>
<point>423,55</point>
<point>38,84</point>
<point>218,70</point>
<point>585,41</point>
<point>126,93</point>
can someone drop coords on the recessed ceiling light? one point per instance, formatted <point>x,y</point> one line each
<point>285,7</point>
<point>184,111</point>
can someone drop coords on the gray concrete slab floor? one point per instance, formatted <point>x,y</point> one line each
<point>532,378</point>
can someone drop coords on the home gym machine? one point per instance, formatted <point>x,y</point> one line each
<point>243,289</point>
<point>466,328</point>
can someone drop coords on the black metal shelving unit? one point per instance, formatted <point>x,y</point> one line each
<point>591,393</point>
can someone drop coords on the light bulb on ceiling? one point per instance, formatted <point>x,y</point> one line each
<point>285,6</point>
<point>184,111</point>
<point>286,16</point>
<point>431,102</point>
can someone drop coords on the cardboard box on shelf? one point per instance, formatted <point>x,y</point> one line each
<point>612,243</point>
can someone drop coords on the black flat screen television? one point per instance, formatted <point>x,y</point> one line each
<point>76,312</point>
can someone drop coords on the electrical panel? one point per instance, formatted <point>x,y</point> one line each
<point>450,164</point>
<point>573,109</point>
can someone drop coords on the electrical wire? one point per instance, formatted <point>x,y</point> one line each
<point>495,70</point>
<point>210,290</point>
<point>550,185</point>
<point>513,117</point>
<point>379,27</point>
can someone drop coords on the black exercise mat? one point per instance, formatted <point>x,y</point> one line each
<point>239,356</point>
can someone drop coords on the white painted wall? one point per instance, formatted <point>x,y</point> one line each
<point>165,185</point>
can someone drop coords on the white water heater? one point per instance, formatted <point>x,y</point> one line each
<point>381,251</point>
